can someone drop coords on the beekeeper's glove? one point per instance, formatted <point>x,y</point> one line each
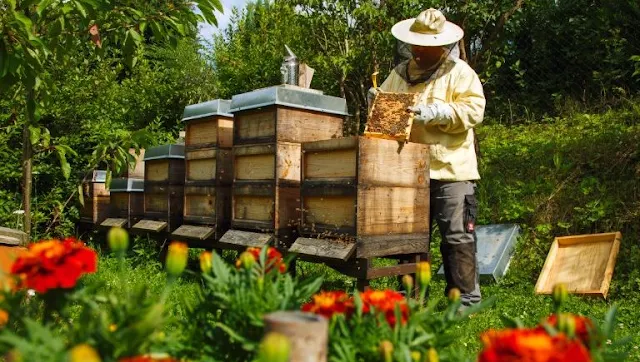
<point>371,95</point>
<point>434,113</point>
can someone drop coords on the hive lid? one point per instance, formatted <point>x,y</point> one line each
<point>164,151</point>
<point>216,107</point>
<point>99,176</point>
<point>290,96</point>
<point>127,185</point>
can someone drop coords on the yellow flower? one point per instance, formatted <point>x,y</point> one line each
<point>206,262</point>
<point>246,260</point>
<point>416,356</point>
<point>407,282</point>
<point>275,347</point>
<point>386,350</point>
<point>177,258</point>
<point>113,328</point>
<point>118,239</point>
<point>454,294</point>
<point>84,353</point>
<point>432,355</point>
<point>423,273</point>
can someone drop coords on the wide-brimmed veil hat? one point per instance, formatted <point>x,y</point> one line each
<point>429,28</point>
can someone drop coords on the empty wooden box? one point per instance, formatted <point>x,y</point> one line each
<point>96,199</point>
<point>584,263</point>
<point>269,126</point>
<point>127,203</point>
<point>365,195</point>
<point>209,171</point>
<point>163,189</point>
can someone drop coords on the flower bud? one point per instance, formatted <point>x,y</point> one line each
<point>275,347</point>
<point>560,294</point>
<point>386,351</point>
<point>454,295</point>
<point>246,260</point>
<point>118,239</point>
<point>407,282</point>
<point>177,258</point>
<point>423,273</point>
<point>84,353</point>
<point>416,356</point>
<point>260,283</point>
<point>432,355</point>
<point>4,317</point>
<point>206,263</point>
<point>566,324</point>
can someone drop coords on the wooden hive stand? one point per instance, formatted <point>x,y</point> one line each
<point>269,126</point>
<point>364,198</point>
<point>208,174</point>
<point>163,190</point>
<point>96,200</point>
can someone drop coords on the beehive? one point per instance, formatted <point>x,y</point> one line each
<point>96,199</point>
<point>209,171</point>
<point>135,171</point>
<point>269,126</point>
<point>127,203</point>
<point>365,195</point>
<point>163,189</point>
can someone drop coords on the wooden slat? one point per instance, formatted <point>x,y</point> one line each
<point>157,170</point>
<point>13,236</point>
<point>334,164</point>
<point>193,232</point>
<point>341,143</point>
<point>288,161</point>
<point>336,211</point>
<point>246,238</point>
<point>324,248</point>
<point>114,222</point>
<point>254,124</point>
<point>225,132</point>
<point>392,210</point>
<point>300,125</point>
<point>198,154</point>
<point>258,208</point>
<point>150,225</point>
<point>393,244</point>
<point>255,167</point>
<point>382,163</point>
<point>394,270</point>
<point>202,131</point>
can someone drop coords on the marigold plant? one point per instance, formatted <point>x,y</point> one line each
<point>274,259</point>
<point>54,264</point>
<point>385,302</point>
<point>582,326</point>
<point>530,345</point>
<point>330,303</point>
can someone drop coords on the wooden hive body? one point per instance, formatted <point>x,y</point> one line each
<point>269,126</point>
<point>367,193</point>
<point>208,172</point>
<point>127,203</point>
<point>96,199</point>
<point>163,189</point>
<point>135,171</point>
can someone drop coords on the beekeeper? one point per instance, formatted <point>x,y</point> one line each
<point>450,104</point>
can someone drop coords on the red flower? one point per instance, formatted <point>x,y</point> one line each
<point>530,345</point>
<point>274,259</point>
<point>329,303</point>
<point>385,302</point>
<point>582,326</point>
<point>54,264</point>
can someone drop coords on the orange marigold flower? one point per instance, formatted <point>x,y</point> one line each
<point>4,317</point>
<point>530,345</point>
<point>385,302</point>
<point>330,303</point>
<point>274,259</point>
<point>54,264</point>
<point>583,326</point>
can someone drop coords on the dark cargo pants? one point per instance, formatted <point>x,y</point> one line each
<point>454,208</point>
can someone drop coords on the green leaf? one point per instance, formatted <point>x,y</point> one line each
<point>66,168</point>
<point>80,195</point>
<point>43,5</point>
<point>26,22</point>
<point>80,8</point>
<point>107,182</point>
<point>34,135</point>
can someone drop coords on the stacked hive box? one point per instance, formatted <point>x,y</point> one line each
<point>364,198</point>
<point>96,199</point>
<point>208,175</point>
<point>269,126</point>
<point>127,195</point>
<point>163,189</point>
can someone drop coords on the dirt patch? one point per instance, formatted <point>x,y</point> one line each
<point>389,115</point>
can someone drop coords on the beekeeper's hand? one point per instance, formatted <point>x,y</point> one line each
<point>371,95</point>
<point>432,114</point>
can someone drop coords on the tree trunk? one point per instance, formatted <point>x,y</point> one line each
<point>308,334</point>
<point>27,163</point>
